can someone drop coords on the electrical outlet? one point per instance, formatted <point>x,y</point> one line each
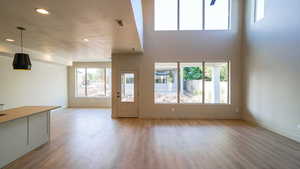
<point>172,109</point>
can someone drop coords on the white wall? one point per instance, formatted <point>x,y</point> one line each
<point>8,49</point>
<point>81,102</point>
<point>185,46</point>
<point>45,84</point>
<point>272,66</point>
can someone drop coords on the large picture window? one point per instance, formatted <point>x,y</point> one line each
<point>216,82</point>
<point>108,82</point>
<point>199,83</point>
<point>191,15</point>
<point>166,81</point>
<point>191,79</point>
<point>93,82</point>
<point>80,82</point>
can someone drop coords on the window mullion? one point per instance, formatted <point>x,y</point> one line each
<point>105,81</point>
<point>229,81</point>
<point>86,82</point>
<point>76,82</point>
<point>229,14</point>
<point>178,82</point>
<point>203,83</point>
<point>255,10</point>
<point>203,14</point>
<point>178,14</point>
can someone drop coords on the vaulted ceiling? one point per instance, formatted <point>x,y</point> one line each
<point>59,37</point>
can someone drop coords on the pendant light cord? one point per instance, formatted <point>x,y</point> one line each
<point>21,41</point>
<point>21,30</point>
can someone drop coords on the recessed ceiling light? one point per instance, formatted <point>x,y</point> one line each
<point>42,11</point>
<point>85,39</point>
<point>9,40</point>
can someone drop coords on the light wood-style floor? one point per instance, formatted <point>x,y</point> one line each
<point>90,139</point>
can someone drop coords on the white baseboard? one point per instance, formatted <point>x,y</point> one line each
<point>194,116</point>
<point>88,107</point>
<point>280,131</point>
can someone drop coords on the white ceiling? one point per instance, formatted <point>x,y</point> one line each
<point>61,33</point>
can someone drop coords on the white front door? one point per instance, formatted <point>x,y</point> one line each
<point>127,94</point>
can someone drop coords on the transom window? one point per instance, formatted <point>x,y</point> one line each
<point>200,82</point>
<point>192,15</point>
<point>93,82</point>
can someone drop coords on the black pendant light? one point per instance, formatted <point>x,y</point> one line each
<point>21,60</point>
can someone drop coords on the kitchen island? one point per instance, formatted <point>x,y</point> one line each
<point>22,130</point>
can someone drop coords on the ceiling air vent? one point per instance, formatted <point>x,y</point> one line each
<point>120,22</point>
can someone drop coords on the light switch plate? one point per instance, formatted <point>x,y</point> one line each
<point>298,126</point>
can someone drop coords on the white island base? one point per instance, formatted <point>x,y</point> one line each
<point>22,135</point>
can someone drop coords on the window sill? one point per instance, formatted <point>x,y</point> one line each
<point>98,97</point>
<point>195,30</point>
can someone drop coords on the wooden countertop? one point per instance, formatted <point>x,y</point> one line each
<point>12,114</point>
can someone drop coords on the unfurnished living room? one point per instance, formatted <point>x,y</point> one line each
<point>149,84</point>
